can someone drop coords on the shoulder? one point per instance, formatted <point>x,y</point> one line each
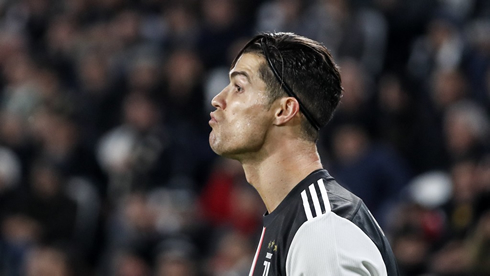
<point>335,245</point>
<point>339,230</point>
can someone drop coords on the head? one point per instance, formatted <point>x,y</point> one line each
<point>277,80</point>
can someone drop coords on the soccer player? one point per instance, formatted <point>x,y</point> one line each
<point>283,89</point>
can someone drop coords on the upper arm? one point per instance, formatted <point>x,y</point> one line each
<point>331,245</point>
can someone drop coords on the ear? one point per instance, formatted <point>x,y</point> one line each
<point>285,110</point>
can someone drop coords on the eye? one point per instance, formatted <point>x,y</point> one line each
<point>238,88</point>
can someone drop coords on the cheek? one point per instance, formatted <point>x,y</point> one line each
<point>253,120</point>
<point>240,133</point>
<point>251,130</point>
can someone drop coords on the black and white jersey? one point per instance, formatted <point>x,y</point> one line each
<point>320,228</point>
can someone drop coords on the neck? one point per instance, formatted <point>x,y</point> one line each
<point>281,170</point>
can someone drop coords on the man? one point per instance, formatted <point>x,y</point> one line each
<point>283,89</point>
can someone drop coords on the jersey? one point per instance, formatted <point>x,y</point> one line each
<point>321,228</point>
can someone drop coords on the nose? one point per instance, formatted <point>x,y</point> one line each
<point>218,100</point>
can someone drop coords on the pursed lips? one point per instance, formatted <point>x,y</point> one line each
<point>213,118</point>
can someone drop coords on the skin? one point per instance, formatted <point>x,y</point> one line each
<point>265,138</point>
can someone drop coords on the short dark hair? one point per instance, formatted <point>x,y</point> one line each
<point>302,68</point>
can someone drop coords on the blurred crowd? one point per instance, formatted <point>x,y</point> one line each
<point>105,167</point>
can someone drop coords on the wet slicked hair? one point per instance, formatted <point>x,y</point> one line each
<point>299,67</point>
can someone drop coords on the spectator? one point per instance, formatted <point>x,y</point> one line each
<point>284,16</point>
<point>41,214</point>
<point>350,32</point>
<point>98,98</point>
<point>137,155</point>
<point>440,49</point>
<point>477,67</point>
<point>177,257</point>
<point>233,255</point>
<point>478,251</point>
<point>222,25</point>
<point>466,129</point>
<point>47,260</point>
<point>182,27</point>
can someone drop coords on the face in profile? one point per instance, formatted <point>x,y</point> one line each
<point>242,117</point>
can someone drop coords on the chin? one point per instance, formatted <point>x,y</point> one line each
<point>218,150</point>
<point>221,151</point>
<point>214,143</point>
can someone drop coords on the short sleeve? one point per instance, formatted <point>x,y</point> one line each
<point>330,245</point>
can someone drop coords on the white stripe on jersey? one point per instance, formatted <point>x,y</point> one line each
<point>306,205</point>
<point>316,200</point>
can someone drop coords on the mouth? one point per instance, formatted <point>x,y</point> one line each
<point>213,119</point>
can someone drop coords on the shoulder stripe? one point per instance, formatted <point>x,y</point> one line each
<point>316,196</point>
<point>316,202</point>
<point>324,194</point>
<point>306,205</point>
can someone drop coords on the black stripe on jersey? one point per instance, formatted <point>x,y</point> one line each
<point>320,197</point>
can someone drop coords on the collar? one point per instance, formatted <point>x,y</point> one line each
<point>303,184</point>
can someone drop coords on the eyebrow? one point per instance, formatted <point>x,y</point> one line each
<point>240,73</point>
